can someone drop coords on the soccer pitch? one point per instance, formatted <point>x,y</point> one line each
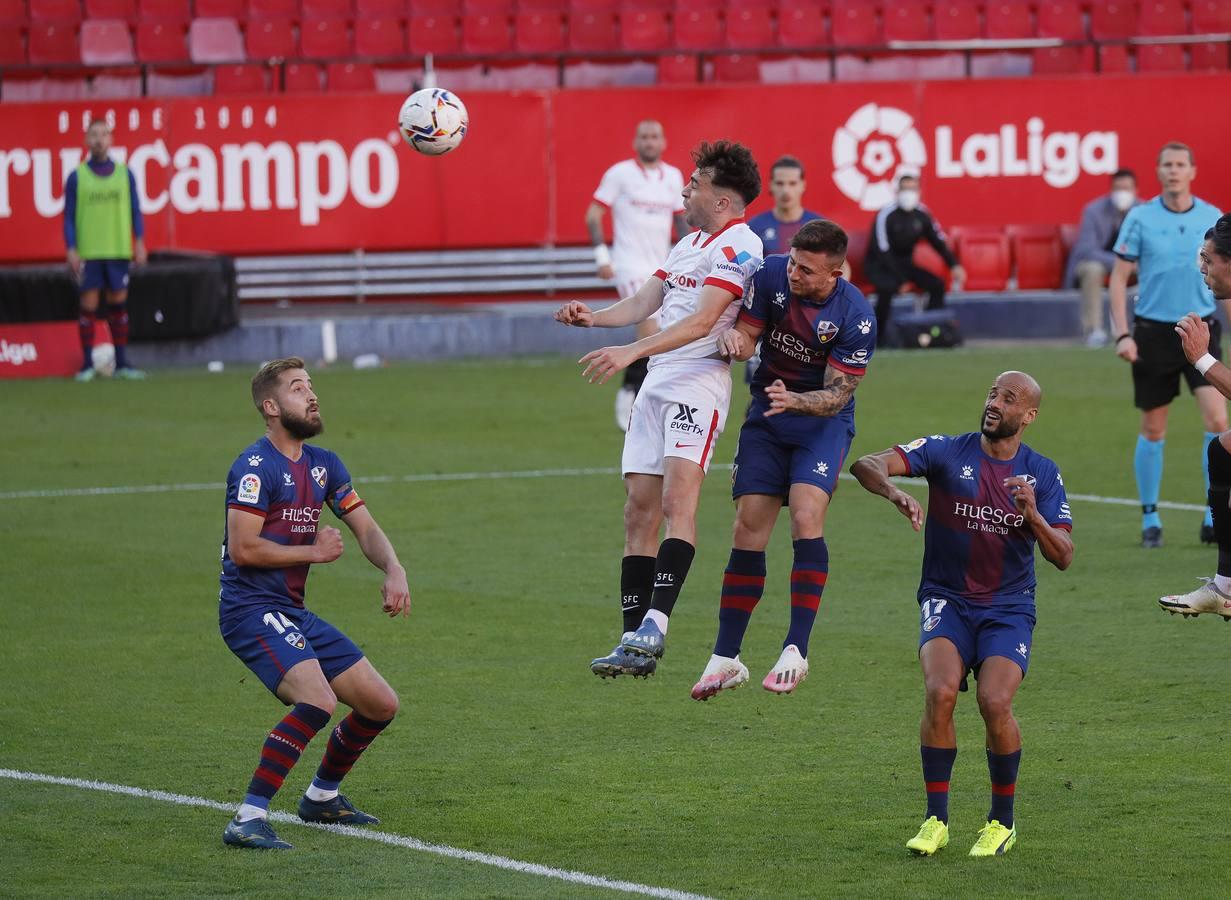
<point>494,481</point>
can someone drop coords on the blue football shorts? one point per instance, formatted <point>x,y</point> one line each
<point>776,452</point>
<point>269,640</point>
<point>979,630</point>
<point>104,274</point>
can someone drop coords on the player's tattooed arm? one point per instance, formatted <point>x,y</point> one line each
<point>828,401</point>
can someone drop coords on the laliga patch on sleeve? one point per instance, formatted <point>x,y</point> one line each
<point>914,445</point>
<point>249,488</point>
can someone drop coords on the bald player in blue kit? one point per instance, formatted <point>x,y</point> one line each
<point>991,499</point>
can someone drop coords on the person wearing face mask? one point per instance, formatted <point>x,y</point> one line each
<point>1092,259</point>
<point>890,264</point>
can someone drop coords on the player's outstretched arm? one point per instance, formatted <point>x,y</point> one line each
<point>246,547</point>
<point>1117,295</point>
<point>1195,339</point>
<point>874,471</point>
<point>380,553</point>
<point>828,401</point>
<point>1056,544</point>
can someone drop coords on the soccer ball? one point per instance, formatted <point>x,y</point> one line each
<point>433,121</point>
<point>103,358</point>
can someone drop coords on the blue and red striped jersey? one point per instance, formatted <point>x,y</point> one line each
<point>976,545</point>
<point>288,496</point>
<point>802,337</point>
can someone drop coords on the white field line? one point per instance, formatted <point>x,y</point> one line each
<point>380,837</point>
<point>434,477</point>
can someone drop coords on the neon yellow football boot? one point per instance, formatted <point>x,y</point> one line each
<point>994,840</point>
<point>933,834</point>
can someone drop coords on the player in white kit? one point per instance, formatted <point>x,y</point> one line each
<point>643,195</point>
<point>682,406</point>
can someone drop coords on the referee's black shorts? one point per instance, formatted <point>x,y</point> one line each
<point>1161,362</point>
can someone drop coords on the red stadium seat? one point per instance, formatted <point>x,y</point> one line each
<point>111,9</point>
<point>539,32</point>
<point>490,7</point>
<point>1161,17</point>
<point>377,37</point>
<point>853,24</point>
<point>433,34</point>
<point>906,20</point>
<point>1068,237</point>
<point>164,11</point>
<point>1115,20</point>
<point>1063,60</point>
<point>380,9</point>
<point>53,43</point>
<point>593,5</point>
<point>1211,16</point>
<point>749,28</point>
<point>486,34</point>
<point>244,78</point>
<point>273,9</point>
<point>55,11</point>
<point>435,7</point>
<point>1061,19</point>
<point>925,257</point>
<point>325,39</point>
<point>592,32</point>
<point>1039,255</point>
<point>697,30</point>
<point>737,68</point>
<point>1208,57</point>
<point>215,40</point>
<point>542,5</point>
<point>680,68</point>
<point>800,24</point>
<point>270,39</point>
<point>14,12</point>
<point>984,254</point>
<point>163,42</point>
<point>327,9</point>
<point>12,47</point>
<point>857,238</point>
<point>1008,19</point>
<point>711,6</point>
<point>644,30</point>
<point>1113,59</point>
<point>626,6</point>
<point>956,20</point>
<point>350,76</point>
<point>106,42</point>
<point>301,78</point>
<point>1161,58</point>
<point>219,9</point>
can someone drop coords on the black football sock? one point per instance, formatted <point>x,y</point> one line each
<point>636,585</point>
<point>671,568</point>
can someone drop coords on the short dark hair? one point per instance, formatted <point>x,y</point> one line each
<point>730,165</point>
<point>1176,145</point>
<point>98,121</point>
<point>1124,173</point>
<point>1220,235</point>
<point>786,162</point>
<point>265,381</point>
<point>905,176</point>
<point>821,236</point>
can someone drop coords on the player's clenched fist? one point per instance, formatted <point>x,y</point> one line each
<point>575,313</point>
<point>328,546</point>
<point>1023,495</point>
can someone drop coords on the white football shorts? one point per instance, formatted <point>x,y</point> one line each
<point>680,411</point>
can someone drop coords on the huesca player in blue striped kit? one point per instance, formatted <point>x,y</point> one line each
<point>991,499</point>
<point>275,492</point>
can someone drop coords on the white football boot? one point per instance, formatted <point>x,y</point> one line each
<point>721,674</point>
<point>1205,599</point>
<point>787,673</point>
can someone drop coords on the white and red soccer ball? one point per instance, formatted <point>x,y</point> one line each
<point>433,121</point>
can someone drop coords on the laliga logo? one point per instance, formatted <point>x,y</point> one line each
<point>874,144</point>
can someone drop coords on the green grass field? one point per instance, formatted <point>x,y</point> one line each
<point>506,744</point>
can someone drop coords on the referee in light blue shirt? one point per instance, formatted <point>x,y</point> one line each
<point>1161,239</point>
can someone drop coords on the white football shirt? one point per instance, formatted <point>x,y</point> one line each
<point>643,203</point>
<point>727,259</point>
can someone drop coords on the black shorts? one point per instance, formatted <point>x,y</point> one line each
<point>1161,362</point>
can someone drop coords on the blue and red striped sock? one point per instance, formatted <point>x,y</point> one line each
<point>349,739</point>
<point>808,575</point>
<point>937,769</point>
<point>282,750</point>
<point>1003,769</point>
<point>117,319</point>
<point>85,332</point>
<point>743,582</point>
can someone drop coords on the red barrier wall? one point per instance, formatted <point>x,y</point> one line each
<point>337,177</point>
